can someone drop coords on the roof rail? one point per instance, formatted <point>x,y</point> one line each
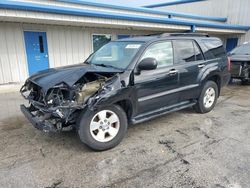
<point>185,34</point>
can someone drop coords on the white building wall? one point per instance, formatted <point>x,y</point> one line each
<point>66,45</point>
<point>95,8</point>
<point>13,67</point>
<point>69,38</point>
<point>237,12</point>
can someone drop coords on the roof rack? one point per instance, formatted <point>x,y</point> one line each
<point>184,34</point>
<point>174,35</point>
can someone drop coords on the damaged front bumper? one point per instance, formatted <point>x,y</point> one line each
<point>36,122</point>
<point>58,109</point>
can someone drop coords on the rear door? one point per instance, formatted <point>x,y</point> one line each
<point>156,88</point>
<point>189,62</point>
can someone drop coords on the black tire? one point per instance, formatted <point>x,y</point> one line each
<point>245,82</point>
<point>230,81</point>
<point>85,133</point>
<point>200,106</point>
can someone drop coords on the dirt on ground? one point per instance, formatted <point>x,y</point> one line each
<point>181,149</point>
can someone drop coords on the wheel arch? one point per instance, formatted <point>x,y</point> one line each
<point>213,77</point>
<point>127,106</point>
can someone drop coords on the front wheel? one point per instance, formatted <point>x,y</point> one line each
<point>102,129</point>
<point>208,98</point>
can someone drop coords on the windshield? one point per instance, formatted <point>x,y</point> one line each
<point>117,54</point>
<point>242,50</point>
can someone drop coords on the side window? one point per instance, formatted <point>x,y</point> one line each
<point>197,51</point>
<point>214,48</point>
<point>99,40</point>
<point>162,52</point>
<point>41,44</point>
<point>184,51</point>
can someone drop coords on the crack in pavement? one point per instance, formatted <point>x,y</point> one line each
<point>137,174</point>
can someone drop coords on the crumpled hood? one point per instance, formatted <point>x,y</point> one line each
<point>68,74</point>
<point>236,57</point>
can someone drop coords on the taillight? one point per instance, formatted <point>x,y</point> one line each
<point>228,64</point>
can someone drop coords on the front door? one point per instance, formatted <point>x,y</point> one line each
<point>37,51</point>
<point>155,88</point>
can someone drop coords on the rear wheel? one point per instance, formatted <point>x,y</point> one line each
<point>102,129</point>
<point>208,98</point>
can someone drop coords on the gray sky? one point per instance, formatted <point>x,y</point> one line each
<point>130,2</point>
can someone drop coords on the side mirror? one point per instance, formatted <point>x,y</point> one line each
<point>147,64</point>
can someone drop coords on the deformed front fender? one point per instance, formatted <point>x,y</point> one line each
<point>113,91</point>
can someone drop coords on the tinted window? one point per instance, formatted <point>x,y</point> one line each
<point>184,51</point>
<point>242,50</point>
<point>214,48</point>
<point>162,52</point>
<point>197,51</point>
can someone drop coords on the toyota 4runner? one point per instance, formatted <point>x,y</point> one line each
<point>125,82</point>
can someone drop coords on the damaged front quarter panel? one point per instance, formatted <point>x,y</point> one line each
<point>107,92</point>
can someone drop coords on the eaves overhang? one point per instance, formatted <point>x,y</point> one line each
<point>170,3</point>
<point>16,5</point>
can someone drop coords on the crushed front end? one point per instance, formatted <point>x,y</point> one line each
<point>57,108</point>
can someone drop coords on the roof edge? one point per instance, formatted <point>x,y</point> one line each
<point>15,5</point>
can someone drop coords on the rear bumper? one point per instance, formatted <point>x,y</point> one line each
<point>36,122</point>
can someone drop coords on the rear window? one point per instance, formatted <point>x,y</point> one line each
<point>242,50</point>
<point>214,49</point>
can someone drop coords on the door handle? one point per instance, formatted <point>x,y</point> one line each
<point>201,66</point>
<point>173,72</point>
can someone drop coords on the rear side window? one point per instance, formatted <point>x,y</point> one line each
<point>214,48</point>
<point>184,51</point>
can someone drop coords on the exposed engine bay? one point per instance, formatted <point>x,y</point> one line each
<point>57,108</point>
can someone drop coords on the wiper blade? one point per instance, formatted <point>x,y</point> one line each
<point>87,61</point>
<point>104,65</point>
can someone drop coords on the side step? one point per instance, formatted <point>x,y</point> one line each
<point>162,111</point>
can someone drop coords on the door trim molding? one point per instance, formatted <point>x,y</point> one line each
<point>167,92</point>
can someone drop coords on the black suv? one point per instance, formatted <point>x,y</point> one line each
<point>127,82</point>
<point>240,63</point>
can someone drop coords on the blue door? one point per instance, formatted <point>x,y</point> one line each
<point>122,36</point>
<point>37,51</point>
<point>231,44</point>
